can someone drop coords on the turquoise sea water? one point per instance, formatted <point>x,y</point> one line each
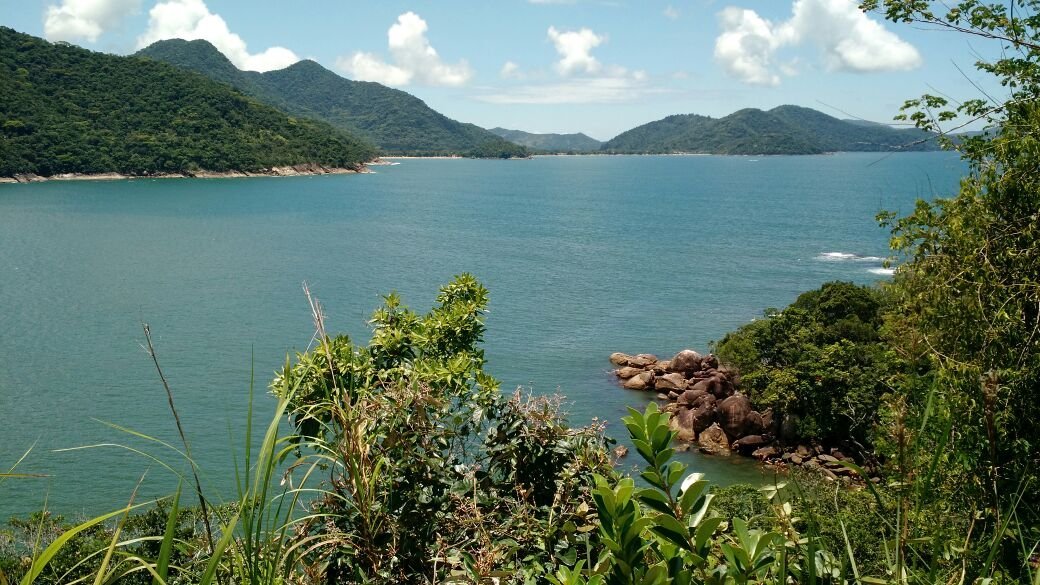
<point>583,256</point>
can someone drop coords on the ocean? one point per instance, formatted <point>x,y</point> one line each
<point>583,256</point>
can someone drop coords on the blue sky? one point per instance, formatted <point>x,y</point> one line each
<point>599,67</point>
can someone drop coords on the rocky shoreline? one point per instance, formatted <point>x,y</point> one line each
<point>305,169</point>
<point>707,409</point>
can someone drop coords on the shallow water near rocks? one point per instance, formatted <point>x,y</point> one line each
<point>583,256</point>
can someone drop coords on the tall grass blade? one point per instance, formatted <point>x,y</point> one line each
<point>184,438</point>
<point>218,552</point>
<point>99,579</point>
<point>162,564</point>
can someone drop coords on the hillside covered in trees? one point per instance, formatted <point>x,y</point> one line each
<point>395,121</point>
<point>782,130</point>
<point>550,142</point>
<point>64,109</point>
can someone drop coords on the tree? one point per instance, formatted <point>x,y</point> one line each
<point>969,290</point>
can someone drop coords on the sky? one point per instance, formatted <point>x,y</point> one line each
<point>593,66</point>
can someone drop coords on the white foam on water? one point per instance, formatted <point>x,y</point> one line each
<point>835,256</point>
<point>882,271</point>
<point>846,256</point>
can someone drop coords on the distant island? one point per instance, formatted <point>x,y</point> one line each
<point>550,143</point>
<point>782,130</point>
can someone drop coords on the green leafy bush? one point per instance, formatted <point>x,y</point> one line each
<point>820,363</point>
<point>431,471</point>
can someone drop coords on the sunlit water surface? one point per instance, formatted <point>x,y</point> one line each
<point>583,256</point>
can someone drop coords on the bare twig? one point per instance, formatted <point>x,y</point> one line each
<point>184,438</point>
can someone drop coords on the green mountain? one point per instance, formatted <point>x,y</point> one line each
<point>395,121</point>
<point>782,130</point>
<point>64,109</point>
<point>550,142</point>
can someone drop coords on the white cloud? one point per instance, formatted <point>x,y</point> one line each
<point>191,20</point>
<point>671,12</point>
<point>575,49</point>
<point>847,39</point>
<point>746,46</point>
<point>581,78</point>
<point>509,70</point>
<point>85,19</point>
<point>414,59</point>
<point>600,90</point>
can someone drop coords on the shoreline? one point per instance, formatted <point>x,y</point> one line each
<point>300,170</point>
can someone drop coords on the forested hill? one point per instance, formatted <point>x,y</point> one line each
<point>782,130</point>
<point>550,142</point>
<point>395,121</point>
<point>64,109</point>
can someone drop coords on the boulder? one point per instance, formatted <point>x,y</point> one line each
<point>704,400</point>
<point>662,396</point>
<point>706,385</point>
<point>710,362</point>
<point>796,459</point>
<point>750,443</point>
<point>755,426</point>
<point>627,372</point>
<point>713,440</point>
<point>682,423</point>
<point>733,414</point>
<point>619,359</point>
<point>770,422</point>
<point>670,382</point>
<point>661,368</point>
<point>673,395</point>
<point>642,381</point>
<point>642,360</point>
<point>827,458</point>
<point>765,453</point>
<point>620,451</point>
<point>688,397</point>
<point>702,418</point>
<point>803,452</point>
<point>686,362</point>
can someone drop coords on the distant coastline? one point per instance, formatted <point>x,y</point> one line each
<point>301,170</point>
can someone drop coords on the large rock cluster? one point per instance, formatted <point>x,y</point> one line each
<point>705,404</point>
<point>707,407</point>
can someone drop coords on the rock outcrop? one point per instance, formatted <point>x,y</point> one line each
<point>707,408</point>
<point>704,396</point>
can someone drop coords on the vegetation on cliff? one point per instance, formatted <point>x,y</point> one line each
<point>64,109</point>
<point>395,121</point>
<point>820,364</point>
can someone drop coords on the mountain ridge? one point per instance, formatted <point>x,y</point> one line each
<point>786,129</point>
<point>68,110</point>
<point>578,142</point>
<point>395,121</point>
